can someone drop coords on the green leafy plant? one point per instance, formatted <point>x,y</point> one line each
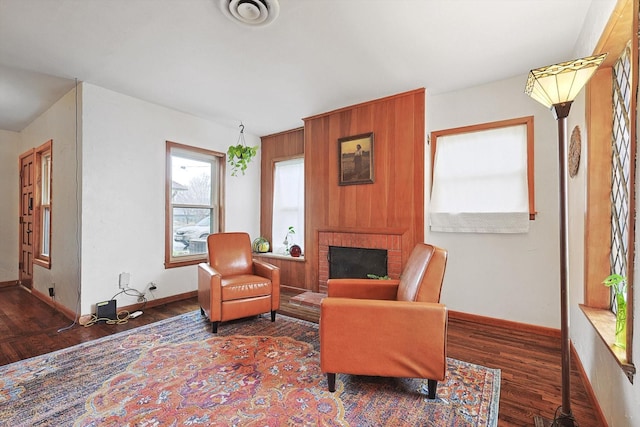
<point>239,156</point>
<point>619,285</point>
<point>375,276</point>
<point>286,242</point>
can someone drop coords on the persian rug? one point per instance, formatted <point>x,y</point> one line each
<point>252,373</point>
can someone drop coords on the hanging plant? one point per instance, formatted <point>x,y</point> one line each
<point>240,155</point>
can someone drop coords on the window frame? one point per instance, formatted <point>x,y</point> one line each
<point>43,202</point>
<point>527,121</point>
<point>170,261</point>
<point>622,27</point>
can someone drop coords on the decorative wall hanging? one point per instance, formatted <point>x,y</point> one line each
<point>355,159</point>
<point>575,146</point>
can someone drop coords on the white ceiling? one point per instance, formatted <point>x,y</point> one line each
<point>317,56</point>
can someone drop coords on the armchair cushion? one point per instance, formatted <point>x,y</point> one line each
<point>368,337</point>
<point>363,288</point>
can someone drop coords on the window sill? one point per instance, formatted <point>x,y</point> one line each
<point>603,321</point>
<point>278,256</point>
<point>46,263</point>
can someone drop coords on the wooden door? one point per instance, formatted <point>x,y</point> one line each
<point>25,256</point>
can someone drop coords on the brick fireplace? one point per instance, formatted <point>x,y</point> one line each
<point>391,240</point>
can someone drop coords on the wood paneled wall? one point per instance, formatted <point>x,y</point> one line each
<point>394,200</point>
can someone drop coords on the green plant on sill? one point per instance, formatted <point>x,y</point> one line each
<point>619,285</point>
<point>287,247</point>
<point>239,157</point>
<point>375,276</point>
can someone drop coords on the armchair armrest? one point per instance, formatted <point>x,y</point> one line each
<point>363,288</point>
<point>209,286</point>
<point>383,338</point>
<point>265,269</point>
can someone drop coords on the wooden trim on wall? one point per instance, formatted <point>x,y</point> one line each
<point>8,283</point>
<point>597,228</point>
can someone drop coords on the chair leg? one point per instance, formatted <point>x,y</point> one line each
<point>273,315</point>
<point>433,384</point>
<point>331,381</point>
<point>214,327</point>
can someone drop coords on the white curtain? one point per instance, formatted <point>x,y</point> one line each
<point>480,182</point>
<point>288,204</point>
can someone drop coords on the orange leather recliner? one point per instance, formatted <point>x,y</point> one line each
<point>232,284</point>
<point>388,328</point>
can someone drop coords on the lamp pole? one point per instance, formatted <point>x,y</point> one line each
<point>556,86</point>
<point>561,112</point>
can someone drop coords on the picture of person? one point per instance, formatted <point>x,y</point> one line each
<point>356,159</point>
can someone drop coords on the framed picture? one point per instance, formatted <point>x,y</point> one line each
<point>356,159</point>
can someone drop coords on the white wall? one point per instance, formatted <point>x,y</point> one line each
<point>9,186</point>
<point>58,123</point>
<point>123,193</point>
<point>504,276</point>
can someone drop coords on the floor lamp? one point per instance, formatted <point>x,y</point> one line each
<point>555,87</point>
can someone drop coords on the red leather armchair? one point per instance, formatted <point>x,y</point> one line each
<point>389,328</point>
<point>232,284</point>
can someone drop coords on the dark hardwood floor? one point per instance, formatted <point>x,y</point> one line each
<point>530,363</point>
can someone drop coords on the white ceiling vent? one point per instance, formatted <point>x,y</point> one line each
<point>253,13</point>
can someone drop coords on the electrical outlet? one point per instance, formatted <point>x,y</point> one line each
<point>52,292</point>
<point>152,286</point>
<point>124,280</point>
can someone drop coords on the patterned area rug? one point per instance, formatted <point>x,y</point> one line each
<point>252,373</point>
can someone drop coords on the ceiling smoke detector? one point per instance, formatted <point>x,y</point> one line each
<point>253,13</point>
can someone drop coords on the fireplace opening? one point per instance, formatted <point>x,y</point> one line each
<point>356,262</point>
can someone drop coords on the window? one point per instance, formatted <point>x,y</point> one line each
<point>621,165</point>
<point>288,204</point>
<point>43,205</point>
<point>193,202</point>
<point>494,195</point>
<point>610,185</point>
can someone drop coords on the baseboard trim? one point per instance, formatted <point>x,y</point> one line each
<point>589,389</point>
<point>160,301</point>
<point>509,324</point>
<point>69,314</point>
<point>8,284</point>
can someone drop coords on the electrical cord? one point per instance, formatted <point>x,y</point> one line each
<point>122,316</point>
<point>117,321</point>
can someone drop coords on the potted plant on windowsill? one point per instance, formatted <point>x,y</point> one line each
<point>619,285</point>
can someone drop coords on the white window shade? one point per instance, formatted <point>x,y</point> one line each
<point>480,182</point>
<point>288,204</point>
